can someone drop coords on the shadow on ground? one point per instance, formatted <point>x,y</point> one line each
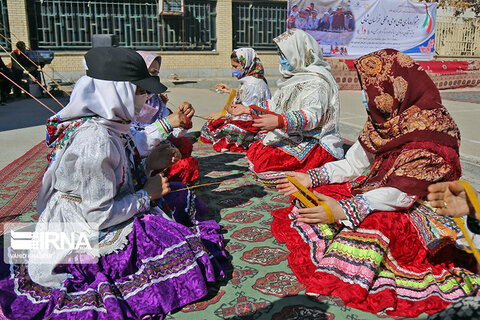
<point>24,113</point>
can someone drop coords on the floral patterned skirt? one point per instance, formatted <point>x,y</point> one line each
<point>231,135</point>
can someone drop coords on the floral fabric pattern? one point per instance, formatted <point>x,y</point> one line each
<point>250,62</point>
<point>413,137</point>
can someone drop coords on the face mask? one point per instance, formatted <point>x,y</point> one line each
<point>285,64</point>
<point>139,101</point>
<point>237,73</point>
<point>364,100</point>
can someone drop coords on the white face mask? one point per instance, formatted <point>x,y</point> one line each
<point>139,101</point>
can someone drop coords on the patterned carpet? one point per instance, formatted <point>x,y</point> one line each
<point>261,285</point>
<point>463,96</point>
<point>19,184</point>
<point>445,74</point>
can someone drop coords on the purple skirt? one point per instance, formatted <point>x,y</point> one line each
<point>165,265</point>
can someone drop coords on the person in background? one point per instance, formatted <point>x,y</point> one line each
<point>20,60</point>
<point>299,124</point>
<point>5,85</point>
<point>302,20</point>
<point>338,20</point>
<point>331,13</point>
<point>291,22</point>
<point>313,21</point>
<point>185,168</point>
<point>349,21</point>
<point>236,133</point>
<point>324,23</point>
<point>294,12</point>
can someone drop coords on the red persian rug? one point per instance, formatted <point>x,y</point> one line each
<point>445,74</point>
<point>19,184</point>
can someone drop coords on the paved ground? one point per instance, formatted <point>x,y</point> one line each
<point>21,121</point>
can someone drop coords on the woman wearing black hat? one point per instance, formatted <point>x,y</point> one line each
<point>150,259</point>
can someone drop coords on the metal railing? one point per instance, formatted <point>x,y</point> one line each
<point>70,24</point>
<point>457,37</point>
<point>256,24</point>
<point>4,25</point>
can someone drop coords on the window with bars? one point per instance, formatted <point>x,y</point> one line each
<point>457,37</point>
<point>255,24</point>
<point>4,25</point>
<point>70,24</point>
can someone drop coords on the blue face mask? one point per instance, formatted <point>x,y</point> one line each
<point>237,73</point>
<point>364,100</point>
<point>285,64</point>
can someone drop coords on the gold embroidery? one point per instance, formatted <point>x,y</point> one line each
<point>410,120</point>
<point>72,198</point>
<point>405,60</point>
<point>421,164</point>
<point>384,103</point>
<point>400,88</point>
<point>372,65</point>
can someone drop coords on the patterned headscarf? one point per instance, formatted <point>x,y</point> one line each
<point>149,57</point>
<point>250,62</point>
<point>414,138</point>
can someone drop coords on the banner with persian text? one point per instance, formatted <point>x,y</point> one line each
<point>354,28</point>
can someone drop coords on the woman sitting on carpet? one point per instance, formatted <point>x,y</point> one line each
<point>155,254</point>
<point>387,251</point>
<point>236,133</point>
<point>300,123</point>
<point>185,169</point>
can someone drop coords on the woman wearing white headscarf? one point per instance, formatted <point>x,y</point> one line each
<point>236,133</point>
<point>151,259</point>
<point>300,123</point>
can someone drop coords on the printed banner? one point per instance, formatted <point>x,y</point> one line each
<point>355,28</point>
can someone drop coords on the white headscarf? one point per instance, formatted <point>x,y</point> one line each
<point>304,55</point>
<point>111,101</point>
<point>298,90</point>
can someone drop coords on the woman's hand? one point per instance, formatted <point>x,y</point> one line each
<point>187,109</point>
<point>162,157</point>
<point>215,116</point>
<point>316,215</point>
<point>286,187</point>
<point>164,97</point>
<point>177,120</point>
<point>238,109</point>
<point>450,199</point>
<point>266,122</point>
<point>223,87</point>
<point>157,186</point>
<point>176,155</point>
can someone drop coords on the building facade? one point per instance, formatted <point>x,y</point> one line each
<point>196,44</point>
